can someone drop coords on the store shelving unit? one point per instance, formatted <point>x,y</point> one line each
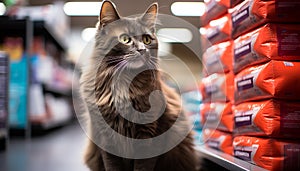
<point>227,161</point>
<point>27,29</point>
<point>22,28</point>
<point>4,82</point>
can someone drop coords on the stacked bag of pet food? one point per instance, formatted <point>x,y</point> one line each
<point>217,83</point>
<point>266,64</point>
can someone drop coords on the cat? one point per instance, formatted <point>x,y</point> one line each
<point>126,48</point>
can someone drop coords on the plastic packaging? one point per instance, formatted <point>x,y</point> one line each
<point>214,9</point>
<point>272,118</point>
<point>250,14</point>
<point>217,115</point>
<point>275,79</point>
<point>217,88</point>
<point>218,59</point>
<point>270,42</point>
<point>218,140</point>
<point>271,154</point>
<point>218,30</point>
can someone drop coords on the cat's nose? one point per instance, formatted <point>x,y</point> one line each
<point>142,51</point>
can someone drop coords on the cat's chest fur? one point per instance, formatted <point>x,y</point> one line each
<point>121,102</point>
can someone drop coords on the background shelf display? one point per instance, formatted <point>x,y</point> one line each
<point>227,161</point>
<point>4,81</point>
<point>40,48</point>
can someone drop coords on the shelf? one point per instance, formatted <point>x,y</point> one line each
<point>41,28</point>
<point>58,92</point>
<point>17,27</point>
<point>42,125</point>
<point>227,161</point>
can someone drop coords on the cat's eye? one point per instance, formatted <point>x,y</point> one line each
<point>147,39</point>
<point>125,39</point>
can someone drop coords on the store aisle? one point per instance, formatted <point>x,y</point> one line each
<point>60,150</point>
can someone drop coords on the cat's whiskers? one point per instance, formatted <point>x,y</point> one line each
<point>114,60</point>
<point>117,68</point>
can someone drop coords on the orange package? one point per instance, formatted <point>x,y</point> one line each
<point>218,140</point>
<point>218,30</point>
<point>252,13</point>
<point>271,118</point>
<point>275,79</point>
<point>218,59</point>
<point>213,10</point>
<point>216,8</point>
<point>271,154</point>
<point>272,41</point>
<point>217,115</point>
<point>217,88</point>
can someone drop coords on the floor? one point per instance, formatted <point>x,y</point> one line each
<point>58,150</point>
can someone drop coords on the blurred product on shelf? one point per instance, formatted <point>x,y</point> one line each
<point>215,9</point>
<point>218,59</point>
<point>18,84</point>
<point>218,30</point>
<point>191,105</point>
<point>217,88</point>
<point>268,153</point>
<point>218,140</point>
<point>50,87</point>
<point>39,70</point>
<point>4,110</point>
<point>252,13</point>
<point>269,42</point>
<point>217,116</point>
<point>272,118</point>
<point>275,79</point>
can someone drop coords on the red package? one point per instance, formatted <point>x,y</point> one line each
<point>271,154</point>
<point>217,115</point>
<point>253,13</point>
<point>218,140</point>
<point>270,42</point>
<point>217,88</point>
<point>271,118</point>
<point>218,59</point>
<point>218,30</point>
<point>234,2</point>
<point>275,79</point>
<point>214,9</point>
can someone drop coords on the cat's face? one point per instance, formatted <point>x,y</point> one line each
<point>128,43</point>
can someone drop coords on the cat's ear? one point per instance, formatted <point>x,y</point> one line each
<point>108,14</point>
<point>149,17</point>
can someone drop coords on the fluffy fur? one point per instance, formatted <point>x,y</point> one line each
<point>104,96</point>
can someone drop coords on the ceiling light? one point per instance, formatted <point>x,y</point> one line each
<point>2,8</point>
<point>82,8</point>
<point>174,35</point>
<point>188,8</point>
<point>88,33</point>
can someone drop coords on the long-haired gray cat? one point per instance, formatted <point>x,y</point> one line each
<point>124,70</point>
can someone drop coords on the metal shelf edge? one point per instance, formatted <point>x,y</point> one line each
<point>227,161</point>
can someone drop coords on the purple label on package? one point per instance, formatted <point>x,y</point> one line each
<point>213,144</point>
<point>245,155</point>
<point>292,157</point>
<point>211,89</point>
<point>243,120</point>
<point>245,84</point>
<point>213,32</point>
<point>239,17</point>
<point>241,51</point>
